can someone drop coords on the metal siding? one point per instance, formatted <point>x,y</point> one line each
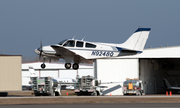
<point>83,72</point>
<point>49,73</point>
<point>10,73</point>
<point>68,73</point>
<point>116,70</point>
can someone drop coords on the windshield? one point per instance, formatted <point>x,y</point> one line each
<point>60,43</point>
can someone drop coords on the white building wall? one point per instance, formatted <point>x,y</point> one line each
<point>116,70</point>
<point>54,70</point>
<point>49,73</point>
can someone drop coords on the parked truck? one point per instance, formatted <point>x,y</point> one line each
<point>87,85</point>
<point>133,86</point>
<point>45,86</point>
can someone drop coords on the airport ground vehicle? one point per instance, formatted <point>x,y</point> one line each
<point>45,86</point>
<point>133,86</point>
<point>87,85</point>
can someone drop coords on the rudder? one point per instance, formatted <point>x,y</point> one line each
<point>137,40</point>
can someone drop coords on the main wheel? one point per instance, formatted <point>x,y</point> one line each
<point>75,66</point>
<point>68,65</point>
<point>43,66</point>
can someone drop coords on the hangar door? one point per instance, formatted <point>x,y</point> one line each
<point>116,71</point>
<point>154,70</point>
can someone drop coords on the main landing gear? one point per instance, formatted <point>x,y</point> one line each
<point>75,66</point>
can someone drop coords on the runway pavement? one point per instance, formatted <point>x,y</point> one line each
<point>89,99</point>
<point>115,105</point>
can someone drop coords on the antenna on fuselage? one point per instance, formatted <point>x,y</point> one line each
<point>83,38</point>
<point>73,37</point>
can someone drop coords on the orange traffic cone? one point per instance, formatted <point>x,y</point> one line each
<point>67,93</point>
<point>110,94</point>
<point>166,93</point>
<point>170,93</point>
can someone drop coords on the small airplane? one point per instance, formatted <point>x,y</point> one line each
<point>169,87</point>
<point>66,83</point>
<point>72,50</point>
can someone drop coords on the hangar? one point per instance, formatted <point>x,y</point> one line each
<point>10,72</point>
<point>151,67</point>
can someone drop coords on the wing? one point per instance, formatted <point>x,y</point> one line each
<point>62,51</point>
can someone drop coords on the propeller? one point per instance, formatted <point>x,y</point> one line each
<point>40,50</point>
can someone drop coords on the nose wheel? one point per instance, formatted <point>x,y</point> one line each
<point>43,66</point>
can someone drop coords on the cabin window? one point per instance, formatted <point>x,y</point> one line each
<point>69,43</point>
<point>89,45</point>
<point>79,44</point>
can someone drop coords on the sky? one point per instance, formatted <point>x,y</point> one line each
<point>24,23</point>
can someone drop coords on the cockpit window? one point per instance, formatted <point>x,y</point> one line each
<point>69,43</point>
<point>60,43</point>
<point>79,44</point>
<point>89,45</point>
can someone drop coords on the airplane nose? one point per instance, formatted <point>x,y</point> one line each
<point>37,51</point>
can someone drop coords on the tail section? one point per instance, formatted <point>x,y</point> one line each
<point>166,83</point>
<point>137,40</point>
<point>32,72</point>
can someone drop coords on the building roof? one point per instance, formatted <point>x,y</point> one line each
<point>162,52</point>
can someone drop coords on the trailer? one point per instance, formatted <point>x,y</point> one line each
<point>133,86</point>
<point>87,85</point>
<point>45,86</point>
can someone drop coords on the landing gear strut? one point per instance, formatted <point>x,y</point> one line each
<point>43,65</point>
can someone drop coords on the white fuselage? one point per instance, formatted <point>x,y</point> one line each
<point>102,50</point>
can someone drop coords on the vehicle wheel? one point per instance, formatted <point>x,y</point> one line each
<point>138,93</point>
<point>75,66</point>
<point>68,65</point>
<point>43,66</point>
<point>56,94</point>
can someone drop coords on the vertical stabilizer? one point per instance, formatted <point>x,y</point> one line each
<point>166,83</point>
<point>32,72</point>
<point>137,40</point>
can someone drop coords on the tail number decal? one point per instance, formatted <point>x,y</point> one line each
<point>102,53</point>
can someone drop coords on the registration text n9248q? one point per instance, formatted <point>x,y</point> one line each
<point>102,53</point>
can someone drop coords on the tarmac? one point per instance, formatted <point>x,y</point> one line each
<point>26,97</point>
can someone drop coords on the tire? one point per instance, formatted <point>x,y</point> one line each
<point>68,65</point>
<point>43,66</point>
<point>56,94</point>
<point>75,66</point>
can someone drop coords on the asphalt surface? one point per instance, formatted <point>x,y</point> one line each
<point>117,105</point>
<point>27,98</point>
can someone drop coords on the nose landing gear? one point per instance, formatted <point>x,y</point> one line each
<point>43,66</point>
